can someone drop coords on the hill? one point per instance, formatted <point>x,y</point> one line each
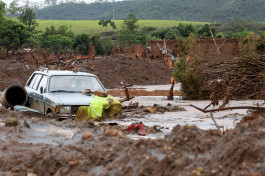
<point>179,10</point>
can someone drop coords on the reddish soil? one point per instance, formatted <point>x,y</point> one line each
<point>114,72</point>
<point>141,92</point>
<point>188,150</point>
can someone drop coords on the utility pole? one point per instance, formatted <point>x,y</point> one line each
<point>113,12</point>
<point>113,17</point>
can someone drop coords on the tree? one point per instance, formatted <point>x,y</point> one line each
<point>82,43</point>
<point>186,29</point>
<point>14,8</point>
<point>170,35</point>
<point>12,35</point>
<point>107,45</point>
<point>127,37</point>
<point>50,31</point>
<point>2,10</point>
<point>220,35</point>
<point>130,23</point>
<point>97,42</point>
<point>104,23</point>
<point>28,17</point>
<point>160,33</point>
<point>204,31</point>
<point>57,43</point>
<point>192,84</point>
<point>63,30</point>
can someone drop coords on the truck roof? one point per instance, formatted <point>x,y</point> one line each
<point>63,72</point>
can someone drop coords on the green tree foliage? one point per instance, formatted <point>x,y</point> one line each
<point>81,43</point>
<point>2,10</point>
<point>186,45</point>
<point>27,17</point>
<point>170,35</point>
<point>130,23</point>
<point>50,31</point>
<point>127,37</point>
<point>57,40</point>
<point>242,25</point>
<point>191,82</point>
<point>144,35</point>
<point>12,35</point>
<point>104,23</point>
<point>14,8</point>
<point>220,35</point>
<point>57,43</point>
<point>241,34</point>
<point>128,33</point>
<point>97,42</point>
<point>107,45</point>
<point>186,29</point>
<point>160,33</point>
<point>64,31</point>
<point>204,31</point>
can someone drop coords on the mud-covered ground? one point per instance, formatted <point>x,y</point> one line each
<point>43,146</point>
<point>33,145</point>
<point>114,72</point>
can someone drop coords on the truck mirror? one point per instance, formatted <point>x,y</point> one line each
<point>41,90</point>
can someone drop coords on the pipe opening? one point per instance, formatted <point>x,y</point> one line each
<point>15,95</point>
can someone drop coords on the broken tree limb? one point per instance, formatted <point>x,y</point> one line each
<point>216,125</point>
<point>208,106</point>
<point>222,44</point>
<point>126,90</point>
<point>218,51</point>
<point>228,108</point>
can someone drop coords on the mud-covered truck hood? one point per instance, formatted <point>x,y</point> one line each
<point>68,99</point>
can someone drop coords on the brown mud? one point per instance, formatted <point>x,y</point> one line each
<point>114,72</point>
<point>187,150</point>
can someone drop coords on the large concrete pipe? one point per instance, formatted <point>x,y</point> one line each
<point>14,95</point>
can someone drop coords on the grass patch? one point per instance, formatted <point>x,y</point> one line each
<point>91,26</point>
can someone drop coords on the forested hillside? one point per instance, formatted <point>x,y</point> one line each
<point>181,10</point>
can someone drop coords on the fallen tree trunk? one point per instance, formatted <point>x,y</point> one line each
<point>228,108</point>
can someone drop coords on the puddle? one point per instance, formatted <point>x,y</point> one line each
<point>159,156</point>
<point>97,169</point>
<point>50,135</point>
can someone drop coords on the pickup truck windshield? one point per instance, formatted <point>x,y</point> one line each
<point>73,83</point>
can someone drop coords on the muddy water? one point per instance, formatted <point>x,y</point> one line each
<point>226,119</point>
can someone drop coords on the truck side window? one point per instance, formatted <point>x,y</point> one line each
<point>37,81</point>
<point>32,80</point>
<point>43,84</point>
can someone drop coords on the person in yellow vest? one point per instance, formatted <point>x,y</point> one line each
<point>102,106</point>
